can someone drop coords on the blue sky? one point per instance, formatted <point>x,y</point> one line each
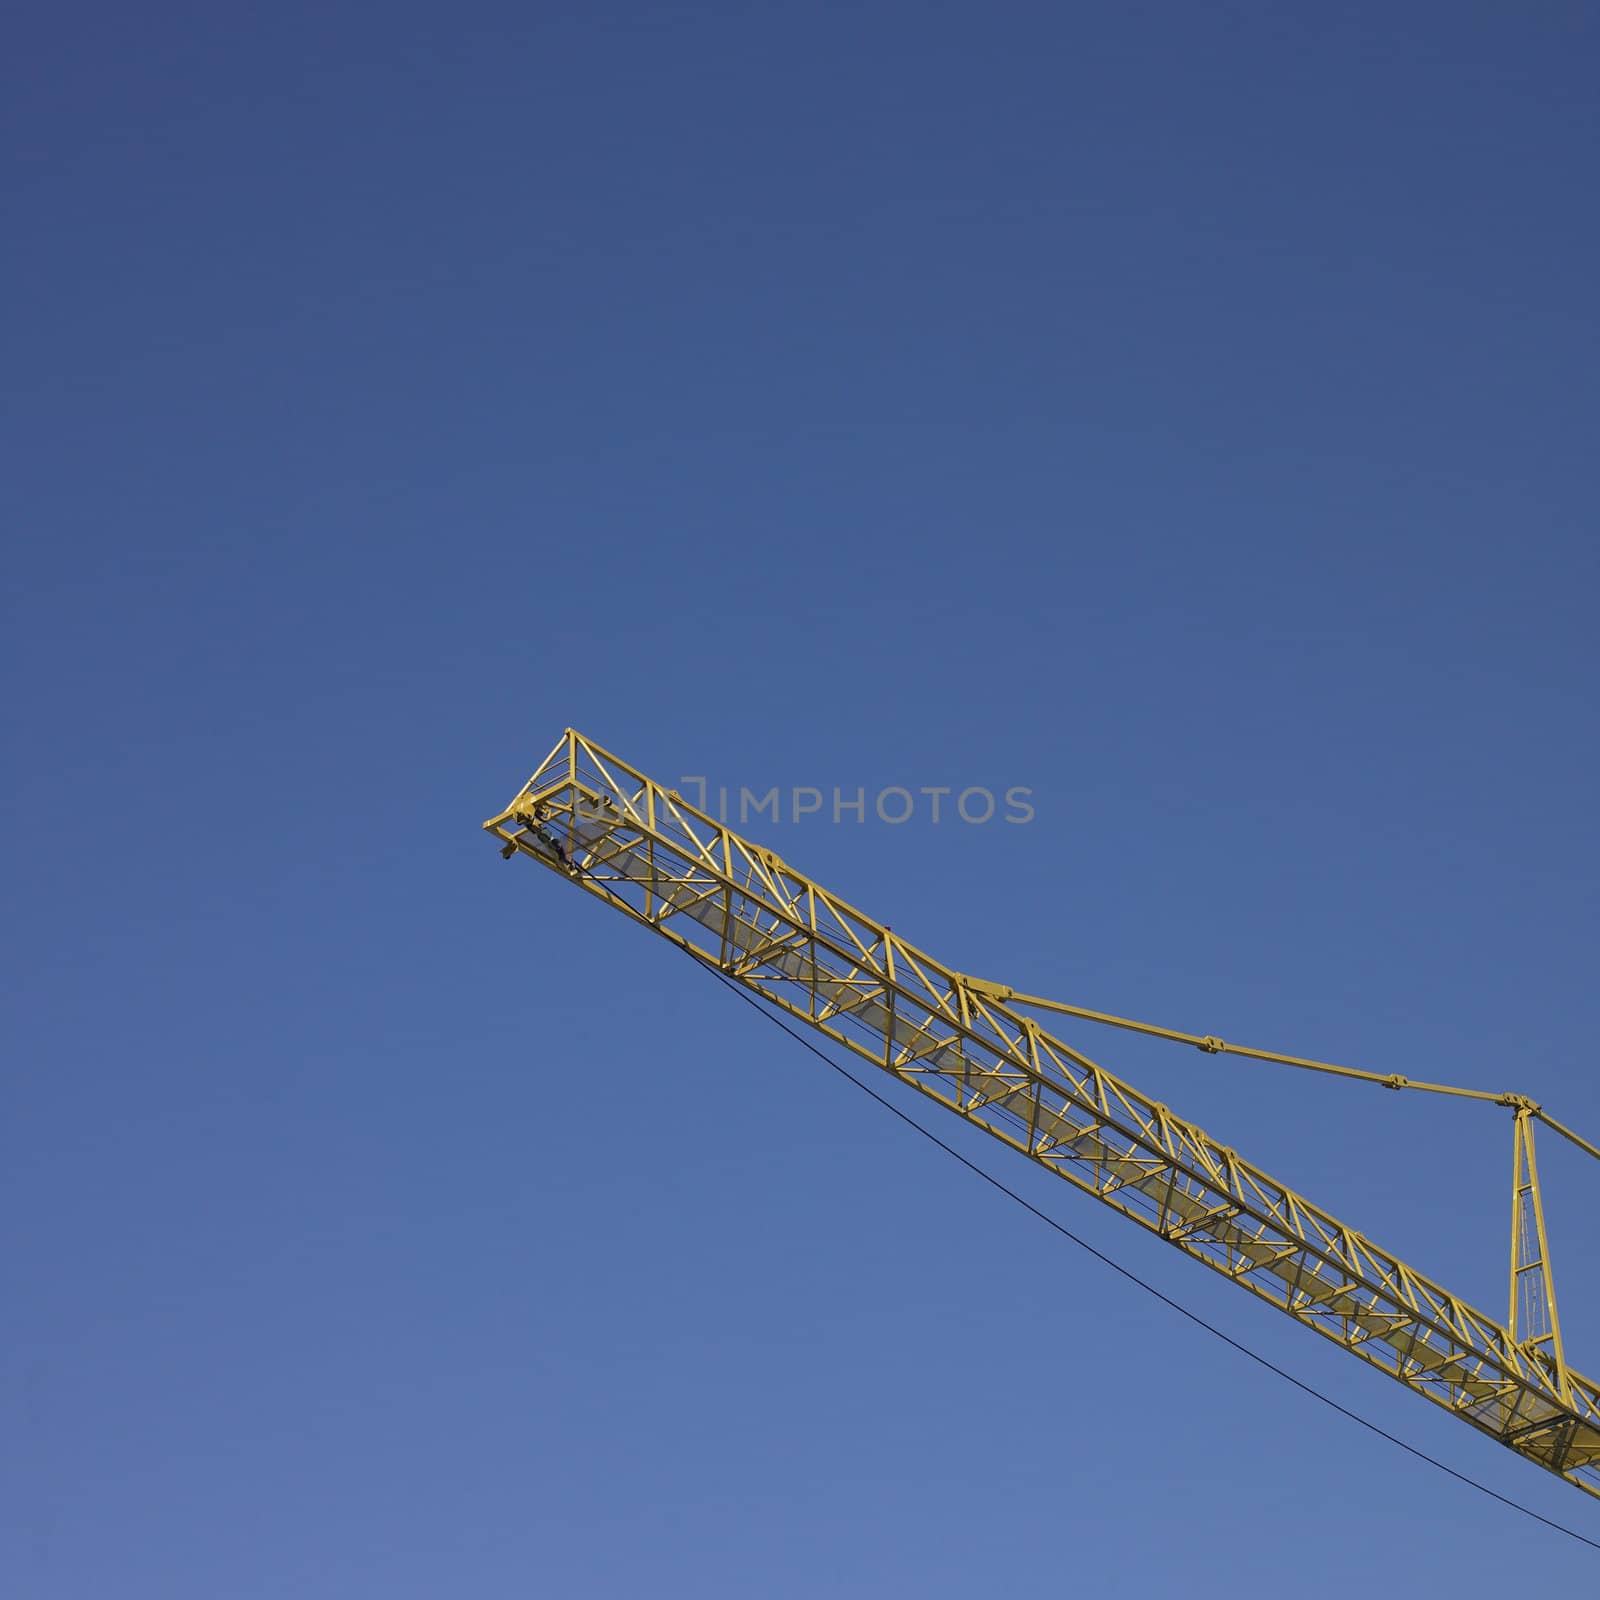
<point>1186,413</point>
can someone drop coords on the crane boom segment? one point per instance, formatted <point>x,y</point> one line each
<point>643,850</point>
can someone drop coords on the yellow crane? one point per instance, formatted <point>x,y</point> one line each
<point>972,1046</point>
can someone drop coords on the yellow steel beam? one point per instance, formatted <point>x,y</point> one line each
<point>641,849</point>
<point>1215,1046</point>
<point>1533,1320</point>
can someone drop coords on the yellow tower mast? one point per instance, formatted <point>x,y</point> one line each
<point>972,1046</point>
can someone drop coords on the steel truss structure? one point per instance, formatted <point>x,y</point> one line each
<point>967,1044</point>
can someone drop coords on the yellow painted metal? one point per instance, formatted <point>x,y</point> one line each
<point>1533,1320</point>
<point>736,906</point>
<point>1215,1046</point>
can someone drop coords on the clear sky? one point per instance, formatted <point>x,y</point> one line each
<point>1185,412</point>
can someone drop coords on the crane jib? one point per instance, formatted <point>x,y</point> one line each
<point>642,849</point>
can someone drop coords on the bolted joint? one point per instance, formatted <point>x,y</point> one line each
<point>985,990</point>
<point>1212,1045</point>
